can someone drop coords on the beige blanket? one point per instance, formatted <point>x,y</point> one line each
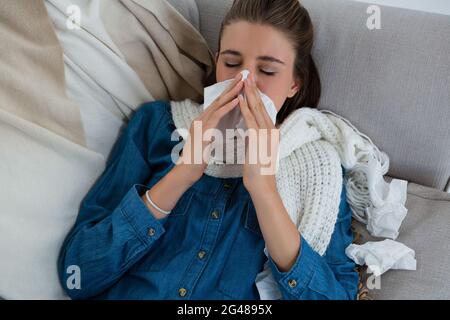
<point>168,53</point>
<point>32,83</point>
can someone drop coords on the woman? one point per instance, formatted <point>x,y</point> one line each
<point>152,228</point>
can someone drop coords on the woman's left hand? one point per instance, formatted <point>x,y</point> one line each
<point>262,142</point>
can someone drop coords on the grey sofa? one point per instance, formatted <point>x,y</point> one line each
<point>393,84</point>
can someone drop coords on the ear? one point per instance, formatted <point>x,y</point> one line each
<point>295,87</point>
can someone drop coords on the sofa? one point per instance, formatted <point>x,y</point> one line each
<point>393,84</point>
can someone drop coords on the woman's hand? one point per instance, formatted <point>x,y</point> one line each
<point>262,142</point>
<point>197,149</point>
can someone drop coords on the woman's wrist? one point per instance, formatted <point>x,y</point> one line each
<point>266,185</point>
<point>177,180</point>
<point>186,174</point>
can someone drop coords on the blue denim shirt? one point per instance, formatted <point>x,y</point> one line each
<point>209,247</point>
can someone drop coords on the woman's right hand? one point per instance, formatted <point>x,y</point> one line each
<point>209,119</point>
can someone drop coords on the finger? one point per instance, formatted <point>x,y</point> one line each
<point>220,113</point>
<point>252,102</point>
<point>249,119</point>
<point>236,79</point>
<point>224,98</point>
<point>260,103</point>
<point>232,87</point>
<point>250,122</point>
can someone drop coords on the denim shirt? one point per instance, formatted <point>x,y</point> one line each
<point>209,247</point>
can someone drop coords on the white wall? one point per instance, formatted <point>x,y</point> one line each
<point>437,6</point>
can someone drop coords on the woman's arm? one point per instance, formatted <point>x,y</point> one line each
<point>116,226</point>
<point>166,193</point>
<point>112,231</point>
<point>280,234</point>
<point>301,273</point>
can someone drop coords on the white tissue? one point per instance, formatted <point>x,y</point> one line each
<point>383,255</point>
<point>234,119</point>
<point>388,211</point>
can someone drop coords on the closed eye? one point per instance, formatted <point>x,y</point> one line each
<point>237,65</point>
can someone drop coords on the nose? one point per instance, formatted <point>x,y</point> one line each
<point>252,72</point>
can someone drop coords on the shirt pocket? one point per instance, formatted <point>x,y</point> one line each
<point>245,260</point>
<point>168,247</point>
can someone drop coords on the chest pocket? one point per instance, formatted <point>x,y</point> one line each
<point>245,260</point>
<point>165,251</point>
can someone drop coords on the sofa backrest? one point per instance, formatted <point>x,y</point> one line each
<point>392,83</point>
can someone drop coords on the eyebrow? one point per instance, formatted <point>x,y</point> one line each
<point>263,58</point>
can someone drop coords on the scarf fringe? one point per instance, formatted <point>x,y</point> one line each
<point>364,177</point>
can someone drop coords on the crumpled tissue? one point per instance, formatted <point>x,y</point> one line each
<point>381,256</point>
<point>387,212</point>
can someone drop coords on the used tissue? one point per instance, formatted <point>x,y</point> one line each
<point>380,256</point>
<point>231,123</point>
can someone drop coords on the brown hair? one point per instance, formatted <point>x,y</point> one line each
<point>291,18</point>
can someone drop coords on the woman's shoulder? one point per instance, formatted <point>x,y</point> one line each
<point>150,109</point>
<point>180,113</point>
<point>151,116</point>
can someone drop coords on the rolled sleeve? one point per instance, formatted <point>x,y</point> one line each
<point>312,278</point>
<point>292,283</point>
<point>143,223</point>
<point>331,276</point>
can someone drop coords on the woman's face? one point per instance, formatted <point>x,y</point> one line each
<point>265,52</point>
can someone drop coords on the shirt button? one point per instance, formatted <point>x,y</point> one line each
<point>201,254</point>
<point>151,232</point>
<point>215,214</point>
<point>292,283</point>
<point>182,292</point>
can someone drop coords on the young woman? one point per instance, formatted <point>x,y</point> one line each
<point>152,228</point>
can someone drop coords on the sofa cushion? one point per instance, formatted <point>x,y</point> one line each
<point>425,230</point>
<point>392,83</point>
<point>211,14</point>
